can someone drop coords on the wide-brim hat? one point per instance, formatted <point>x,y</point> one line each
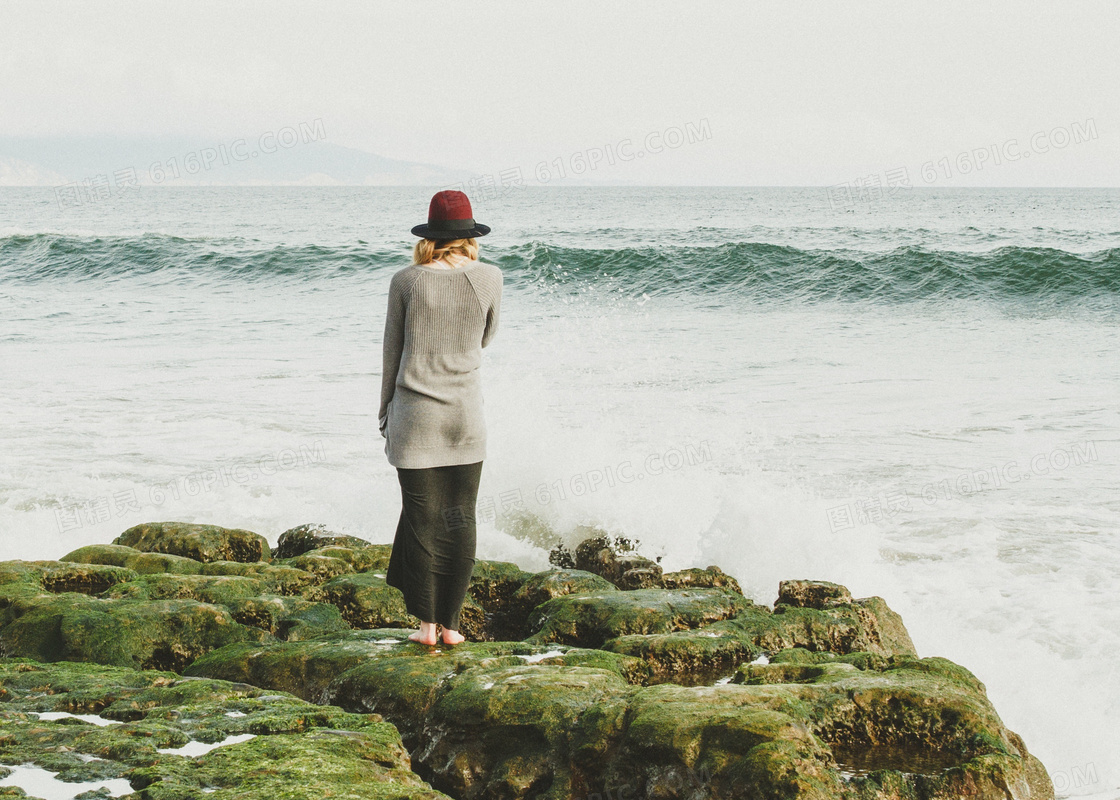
<point>450,217</point>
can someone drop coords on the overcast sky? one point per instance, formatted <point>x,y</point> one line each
<point>791,93</point>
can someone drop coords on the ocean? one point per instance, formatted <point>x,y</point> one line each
<point>914,395</point>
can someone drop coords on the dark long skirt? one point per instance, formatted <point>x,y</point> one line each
<point>433,550</point>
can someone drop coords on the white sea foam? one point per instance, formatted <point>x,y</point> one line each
<point>47,716</point>
<point>38,782</point>
<point>536,658</point>
<point>195,748</point>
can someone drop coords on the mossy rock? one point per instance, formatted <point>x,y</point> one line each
<point>25,573</point>
<point>492,587</point>
<point>353,668</point>
<point>295,749</point>
<point>494,583</point>
<point>303,538</point>
<point>689,658</point>
<point>488,719</point>
<point>59,577</point>
<point>541,587</point>
<point>867,625</point>
<point>245,569</point>
<point>715,740</point>
<point>163,563</point>
<point>599,698</point>
<point>380,553</point>
<point>366,601</point>
<point>695,578</point>
<point>200,542</point>
<point>222,590</point>
<point>374,558</point>
<point>112,554</point>
<point>303,668</point>
<point>320,763</point>
<point>404,685</point>
<point>588,620</point>
<point>324,568</point>
<point>360,559</point>
<point>288,618</point>
<point>812,594</point>
<point>474,622</point>
<point>524,726</point>
<point>161,634</point>
<point>625,569</point>
<point>85,578</point>
<point>863,660</point>
<point>762,674</point>
<point>287,580</point>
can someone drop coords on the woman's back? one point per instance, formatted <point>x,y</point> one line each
<point>438,321</point>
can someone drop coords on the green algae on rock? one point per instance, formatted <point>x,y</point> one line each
<point>866,624</point>
<point>496,719</point>
<point>692,657</point>
<point>622,567</point>
<point>322,567</point>
<point>287,618</point>
<point>588,620</point>
<point>812,594</point>
<point>297,750</point>
<point>200,542</point>
<point>156,634</point>
<point>711,577</point>
<point>574,684</point>
<point>298,540</point>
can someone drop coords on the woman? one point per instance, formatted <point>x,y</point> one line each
<point>443,309</point>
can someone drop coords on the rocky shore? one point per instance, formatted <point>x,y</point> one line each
<point>195,661</point>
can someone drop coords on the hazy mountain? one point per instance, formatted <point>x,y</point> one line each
<point>289,156</point>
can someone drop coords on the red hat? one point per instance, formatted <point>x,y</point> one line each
<point>450,217</point>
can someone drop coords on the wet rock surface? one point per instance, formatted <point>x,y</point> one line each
<point>200,542</point>
<point>603,675</point>
<point>89,722</point>
<point>297,541</point>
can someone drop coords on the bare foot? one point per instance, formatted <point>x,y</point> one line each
<point>426,635</point>
<point>453,637</point>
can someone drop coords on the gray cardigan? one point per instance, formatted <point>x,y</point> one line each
<point>437,323</point>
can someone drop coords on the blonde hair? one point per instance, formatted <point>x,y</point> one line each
<point>428,250</point>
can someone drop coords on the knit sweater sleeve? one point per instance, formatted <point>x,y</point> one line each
<point>392,345</point>
<point>491,298</point>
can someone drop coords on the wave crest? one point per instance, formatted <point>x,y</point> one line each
<point>741,269</point>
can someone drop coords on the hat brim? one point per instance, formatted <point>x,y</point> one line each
<point>467,233</point>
